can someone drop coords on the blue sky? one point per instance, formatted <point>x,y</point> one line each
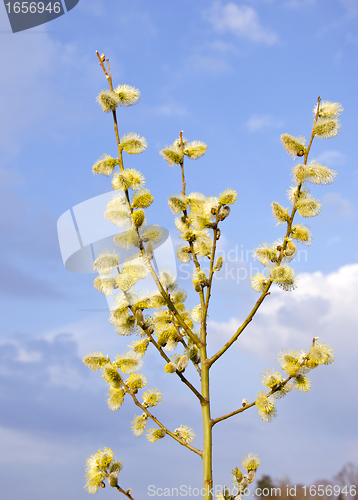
<point>235,75</point>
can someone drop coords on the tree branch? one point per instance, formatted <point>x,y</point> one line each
<point>240,410</point>
<point>279,260</point>
<point>180,375</point>
<point>171,434</point>
<point>228,344</point>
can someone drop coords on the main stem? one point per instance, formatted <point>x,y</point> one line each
<point>207,427</point>
<point>205,402</point>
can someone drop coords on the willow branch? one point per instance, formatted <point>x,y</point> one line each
<point>312,135</point>
<point>103,66</point>
<point>240,410</point>
<point>211,271</point>
<point>190,243</point>
<point>228,344</point>
<point>279,260</point>
<point>152,417</point>
<point>141,246</point>
<point>182,163</point>
<point>246,407</point>
<point>128,495</point>
<point>109,79</point>
<point>182,341</point>
<point>180,375</point>
<point>118,488</point>
<point>171,306</point>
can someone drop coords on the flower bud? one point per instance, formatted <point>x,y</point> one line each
<point>138,217</point>
<point>226,493</point>
<point>224,212</point>
<point>170,368</point>
<point>244,484</point>
<point>219,263</point>
<point>139,318</point>
<point>251,476</point>
<point>293,145</point>
<point>113,479</point>
<point>196,359</point>
<point>183,363</point>
<point>244,402</point>
<point>150,250</point>
<point>237,474</point>
<point>108,100</point>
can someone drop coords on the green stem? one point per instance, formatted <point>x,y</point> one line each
<point>226,346</point>
<point>231,414</point>
<point>207,428</point>
<point>182,163</point>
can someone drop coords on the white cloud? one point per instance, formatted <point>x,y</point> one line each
<point>85,333</point>
<point>211,63</point>
<point>258,123</point>
<point>241,21</point>
<point>212,57</point>
<point>300,3</point>
<point>169,108</point>
<point>331,158</point>
<point>340,205</point>
<point>322,305</point>
<point>351,7</point>
<point>33,73</point>
<point>22,449</point>
<point>61,375</point>
<point>222,47</point>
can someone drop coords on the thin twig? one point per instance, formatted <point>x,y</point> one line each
<point>102,65</point>
<point>152,417</point>
<point>236,412</point>
<point>180,375</point>
<point>182,341</point>
<point>190,243</point>
<point>216,356</point>
<point>172,307</point>
<point>211,272</point>
<point>244,408</point>
<point>128,495</point>
<point>182,162</point>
